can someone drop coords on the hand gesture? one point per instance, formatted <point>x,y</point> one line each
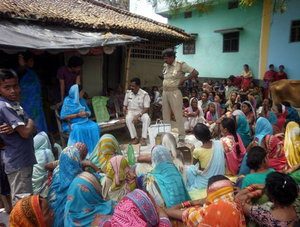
<point>6,129</point>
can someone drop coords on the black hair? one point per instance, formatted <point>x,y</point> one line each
<point>238,105</point>
<point>281,188</point>
<point>229,124</point>
<point>27,55</point>
<point>231,78</point>
<point>248,104</point>
<point>75,61</point>
<point>79,87</point>
<point>270,102</point>
<point>216,178</point>
<point>169,53</point>
<point>136,80</point>
<point>202,133</point>
<point>287,104</point>
<point>271,65</point>
<point>6,74</point>
<point>205,92</point>
<point>279,107</point>
<point>256,157</point>
<point>246,65</point>
<point>281,66</point>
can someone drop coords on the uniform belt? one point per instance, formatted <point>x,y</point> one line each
<point>170,88</point>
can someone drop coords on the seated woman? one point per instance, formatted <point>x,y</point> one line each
<point>231,101</point>
<point>120,179</point>
<point>106,148</point>
<point>164,183</point>
<point>76,111</point>
<point>44,155</point>
<point>249,112</point>
<point>272,143</point>
<point>85,201</point>
<point>69,167</point>
<point>208,161</point>
<point>292,143</point>
<point>243,128</point>
<point>233,146</point>
<point>31,211</point>
<point>218,209</point>
<point>256,161</point>
<point>213,113</point>
<point>267,112</point>
<point>282,190</point>
<point>192,115</point>
<point>136,209</point>
<point>281,115</point>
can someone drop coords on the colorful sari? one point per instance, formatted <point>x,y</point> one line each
<point>120,179</point>
<point>84,201</point>
<point>292,143</point>
<point>44,155</point>
<point>251,116</point>
<point>135,210</point>
<point>27,213</point>
<point>243,128</point>
<point>82,129</point>
<point>219,209</point>
<point>233,159</point>
<point>165,182</point>
<point>63,175</point>
<point>214,116</point>
<point>263,127</point>
<point>106,148</point>
<point>31,99</point>
<point>197,179</point>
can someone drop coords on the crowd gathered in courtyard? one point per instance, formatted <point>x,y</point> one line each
<point>245,168</point>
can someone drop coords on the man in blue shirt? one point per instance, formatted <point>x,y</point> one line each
<point>16,130</point>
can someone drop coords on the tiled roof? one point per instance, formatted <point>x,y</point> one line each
<point>90,15</point>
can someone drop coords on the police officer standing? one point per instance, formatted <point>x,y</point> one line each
<point>174,77</point>
<point>136,106</point>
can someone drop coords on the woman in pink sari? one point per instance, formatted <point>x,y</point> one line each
<point>233,146</point>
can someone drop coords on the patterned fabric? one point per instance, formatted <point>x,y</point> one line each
<point>167,177</point>
<point>219,210</point>
<point>31,99</point>
<point>82,129</point>
<point>197,179</point>
<point>275,153</point>
<point>135,209</point>
<point>263,127</point>
<point>214,116</point>
<point>233,159</point>
<point>106,148</point>
<point>63,175</point>
<point>84,201</point>
<point>27,213</point>
<point>292,143</point>
<point>43,155</point>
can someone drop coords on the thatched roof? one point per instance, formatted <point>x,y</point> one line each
<point>90,15</point>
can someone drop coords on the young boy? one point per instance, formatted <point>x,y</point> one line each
<point>16,130</point>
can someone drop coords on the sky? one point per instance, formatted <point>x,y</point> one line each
<point>144,8</point>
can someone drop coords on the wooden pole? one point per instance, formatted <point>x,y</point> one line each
<point>127,68</point>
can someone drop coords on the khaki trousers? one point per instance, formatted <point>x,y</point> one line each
<point>145,119</point>
<point>172,101</point>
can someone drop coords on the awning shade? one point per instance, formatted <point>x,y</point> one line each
<point>229,30</point>
<point>16,35</point>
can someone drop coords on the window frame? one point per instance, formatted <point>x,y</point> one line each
<point>230,41</point>
<point>295,29</point>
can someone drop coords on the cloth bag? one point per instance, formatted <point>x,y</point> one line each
<point>158,127</point>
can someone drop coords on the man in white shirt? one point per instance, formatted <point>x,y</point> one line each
<point>136,107</point>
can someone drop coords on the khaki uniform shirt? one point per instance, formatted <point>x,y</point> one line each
<point>174,73</point>
<point>137,102</point>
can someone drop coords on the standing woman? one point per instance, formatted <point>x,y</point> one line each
<point>233,146</point>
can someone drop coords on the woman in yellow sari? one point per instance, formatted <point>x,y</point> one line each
<point>218,209</point>
<point>120,179</point>
<point>292,143</point>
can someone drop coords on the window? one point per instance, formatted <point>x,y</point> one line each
<point>233,4</point>
<point>189,47</point>
<point>188,14</point>
<point>231,42</point>
<point>295,31</point>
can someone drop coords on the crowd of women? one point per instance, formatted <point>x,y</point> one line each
<point>245,173</point>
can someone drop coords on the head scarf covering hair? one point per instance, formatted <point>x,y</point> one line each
<point>292,143</point>
<point>44,155</point>
<point>218,111</point>
<point>262,128</point>
<point>135,209</point>
<point>82,148</point>
<point>167,177</point>
<point>243,128</point>
<point>238,113</point>
<point>192,99</point>
<point>69,167</point>
<point>27,213</point>
<point>85,201</point>
<point>118,170</point>
<point>251,107</point>
<point>106,148</point>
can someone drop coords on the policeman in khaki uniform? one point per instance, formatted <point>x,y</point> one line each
<point>136,106</point>
<point>174,77</point>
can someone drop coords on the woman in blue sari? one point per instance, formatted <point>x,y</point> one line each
<point>243,128</point>
<point>31,94</point>
<point>76,111</point>
<point>165,182</point>
<point>84,201</point>
<point>63,175</point>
